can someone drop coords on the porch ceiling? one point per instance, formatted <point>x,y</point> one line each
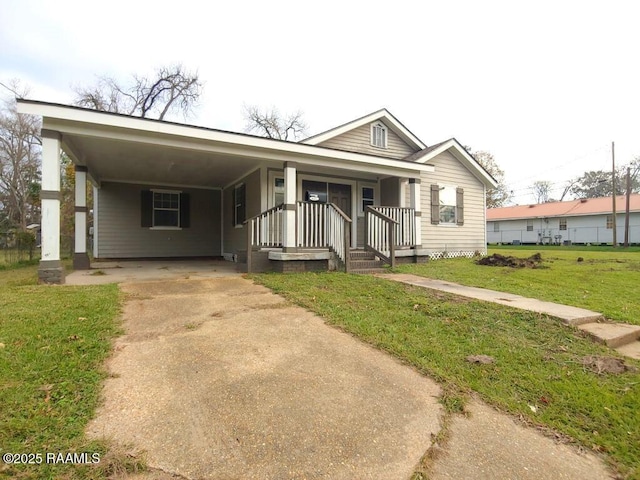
<point>117,160</point>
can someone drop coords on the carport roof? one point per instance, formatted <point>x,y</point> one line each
<point>117,147</point>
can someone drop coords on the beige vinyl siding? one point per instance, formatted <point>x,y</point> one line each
<point>453,238</point>
<point>359,140</point>
<point>121,236</point>
<point>235,238</point>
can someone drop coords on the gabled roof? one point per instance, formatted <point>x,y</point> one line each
<point>585,206</point>
<point>383,115</point>
<point>457,150</point>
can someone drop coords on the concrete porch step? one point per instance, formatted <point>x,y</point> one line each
<point>367,271</point>
<point>365,264</point>
<point>612,334</point>
<point>361,255</point>
<point>631,350</point>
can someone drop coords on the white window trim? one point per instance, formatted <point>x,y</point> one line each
<point>386,134</point>
<point>235,205</point>
<point>376,196</point>
<point>271,186</point>
<point>442,186</point>
<point>153,209</point>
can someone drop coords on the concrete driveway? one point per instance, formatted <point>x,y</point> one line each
<point>220,379</point>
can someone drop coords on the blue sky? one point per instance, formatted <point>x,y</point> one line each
<point>545,86</point>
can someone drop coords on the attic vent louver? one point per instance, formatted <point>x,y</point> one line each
<point>583,200</point>
<point>531,206</point>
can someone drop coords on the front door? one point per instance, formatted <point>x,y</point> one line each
<point>340,195</point>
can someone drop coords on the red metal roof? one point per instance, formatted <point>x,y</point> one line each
<point>586,206</point>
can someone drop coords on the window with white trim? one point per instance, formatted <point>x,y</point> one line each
<point>239,204</point>
<point>278,191</point>
<point>448,205</point>
<point>496,226</point>
<point>379,135</point>
<point>166,209</point>
<point>610,222</point>
<point>367,197</point>
<point>529,225</point>
<point>563,224</point>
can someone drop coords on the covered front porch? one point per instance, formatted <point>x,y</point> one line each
<point>164,190</point>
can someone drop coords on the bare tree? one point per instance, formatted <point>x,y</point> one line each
<point>171,90</point>
<point>271,124</point>
<point>541,190</point>
<point>20,152</point>
<point>496,197</point>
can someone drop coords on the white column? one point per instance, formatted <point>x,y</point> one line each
<point>289,240</point>
<point>414,190</point>
<point>50,270</point>
<point>80,257</point>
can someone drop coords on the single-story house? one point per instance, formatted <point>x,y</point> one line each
<point>163,189</point>
<point>587,220</point>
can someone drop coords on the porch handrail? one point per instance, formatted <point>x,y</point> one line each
<point>380,235</point>
<point>406,227</point>
<point>324,225</point>
<point>266,228</point>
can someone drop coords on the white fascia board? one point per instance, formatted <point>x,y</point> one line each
<point>462,154</point>
<point>382,115</point>
<point>226,143</point>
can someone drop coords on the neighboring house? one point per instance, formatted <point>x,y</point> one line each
<point>164,189</point>
<point>588,220</point>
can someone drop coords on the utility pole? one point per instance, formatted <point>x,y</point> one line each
<point>613,182</point>
<point>626,214</point>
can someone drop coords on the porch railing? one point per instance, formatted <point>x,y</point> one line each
<point>266,229</point>
<point>405,229</point>
<point>380,235</point>
<point>318,225</point>
<point>324,225</point>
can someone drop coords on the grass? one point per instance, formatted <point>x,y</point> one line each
<point>537,360</point>
<point>606,281</point>
<point>55,340</point>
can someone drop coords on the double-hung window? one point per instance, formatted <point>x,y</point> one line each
<point>529,225</point>
<point>239,204</point>
<point>166,209</point>
<point>563,224</point>
<point>447,205</point>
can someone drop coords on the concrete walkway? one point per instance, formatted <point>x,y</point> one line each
<point>571,315</point>
<point>624,338</point>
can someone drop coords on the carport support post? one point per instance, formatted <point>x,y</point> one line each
<point>289,224</point>
<point>414,190</point>
<point>50,269</point>
<point>80,257</point>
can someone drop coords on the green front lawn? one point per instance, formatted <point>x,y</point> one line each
<point>538,361</point>
<point>606,281</point>
<point>53,344</point>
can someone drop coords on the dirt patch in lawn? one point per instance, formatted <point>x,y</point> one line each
<point>497,260</point>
